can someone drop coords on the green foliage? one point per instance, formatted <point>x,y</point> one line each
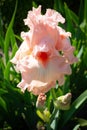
<point>18,110</point>
<point>74,107</point>
<point>14,105</point>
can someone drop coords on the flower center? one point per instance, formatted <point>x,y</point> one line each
<point>43,57</point>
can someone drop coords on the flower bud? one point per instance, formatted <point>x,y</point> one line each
<point>40,126</point>
<point>47,115</point>
<point>63,102</point>
<point>44,115</point>
<point>41,100</point>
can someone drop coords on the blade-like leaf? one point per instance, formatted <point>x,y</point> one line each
<point>76,127</point>
<point>12,38</point>
<point>85,10</point>
<point>7,68</point>
<point>68,19</point>
<point>3,104</point>
<point>8,35</point>
<point>74,107</point>
<point>81,121</point>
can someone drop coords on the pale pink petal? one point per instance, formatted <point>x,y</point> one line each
<point>43,33</point>
<point>67,50</point>
<point>21,53</point>
<point>32,69</point>
<point>54,16</point>
<point>36,87</point>
<point>27,37</point>
<point>33,16</point>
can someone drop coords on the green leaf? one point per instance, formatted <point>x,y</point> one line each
<point>2,91</point>
<point>7,68</point>
<point>74,17</point>
<point>80,52</point>
<point>76,127</point>
<point>7,71</point>
<point>2,67</point>
<point>14,49</point>
<point>81,11</point>
<point>1,34</point>
<point>3,104</point>
<point>68,18</point>
<point>1,42</point>
<point>40,114</point>
<point>85,10</point>
<point>81,121</point>
<point>74,107</point>
<point>12,38</point>
<point>58,5</point>
<point>8,36</point>
<point>55,120</point>
<point>83,24</point>
<point>66,86</point>
<point>85,56</point>
<point>18,37</point>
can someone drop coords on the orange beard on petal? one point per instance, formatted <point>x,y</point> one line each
<point>43,57</point>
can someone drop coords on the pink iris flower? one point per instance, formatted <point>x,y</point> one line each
<point>45,54</point>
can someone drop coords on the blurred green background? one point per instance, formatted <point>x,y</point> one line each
<point>7,8</point>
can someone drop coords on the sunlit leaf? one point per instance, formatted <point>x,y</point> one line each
<point>8,36</point>
<point>76,127</point>
<point>81,121</point>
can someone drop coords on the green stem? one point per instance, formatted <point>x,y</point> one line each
<point>53,120</point>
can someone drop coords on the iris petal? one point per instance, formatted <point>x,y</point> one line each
<point>38,59</point>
